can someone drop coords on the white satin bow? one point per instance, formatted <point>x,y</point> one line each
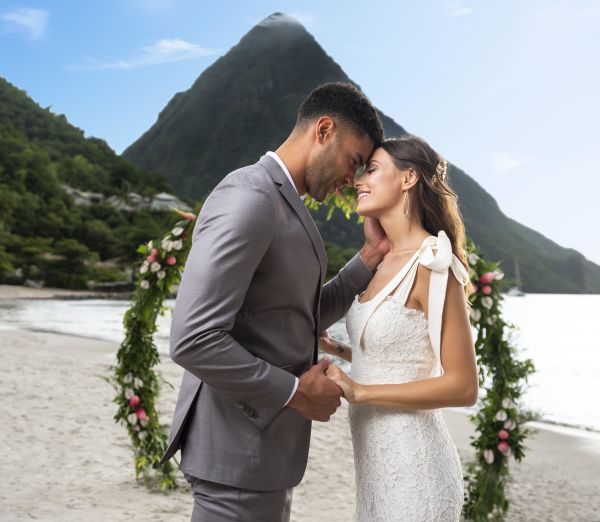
<point>438,263</point>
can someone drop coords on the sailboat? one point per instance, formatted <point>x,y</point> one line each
<point>516,290</point>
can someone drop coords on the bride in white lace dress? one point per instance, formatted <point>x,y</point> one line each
<point>411,348</point>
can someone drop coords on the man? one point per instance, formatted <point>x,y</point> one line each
<point>251,305</point>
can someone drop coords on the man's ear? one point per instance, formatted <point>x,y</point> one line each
<point>324,129</point>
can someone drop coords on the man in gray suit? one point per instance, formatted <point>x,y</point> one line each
<point>250,308</point>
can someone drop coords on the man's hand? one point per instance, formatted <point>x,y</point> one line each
<point>376,244</point>
<point>317,397</point>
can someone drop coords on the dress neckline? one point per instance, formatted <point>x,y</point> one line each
<point>411,260</point>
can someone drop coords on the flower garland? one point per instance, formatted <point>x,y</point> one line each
<point>499,420</point>
<point>136,383</point>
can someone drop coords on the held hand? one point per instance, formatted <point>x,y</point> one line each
<point>348,386</point>
<point>317,397</point>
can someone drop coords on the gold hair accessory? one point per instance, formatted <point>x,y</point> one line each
<point>440,172</point>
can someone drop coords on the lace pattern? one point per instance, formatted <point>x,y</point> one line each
<point>406,463</point>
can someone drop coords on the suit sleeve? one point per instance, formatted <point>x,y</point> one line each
<point>338,293</point>
<point>232,233</point>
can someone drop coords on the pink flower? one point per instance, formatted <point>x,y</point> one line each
<point>487,278</point>
<point>134,401</point>
<point>171,260</point>
<point>504,447</point>
<point>150,259</point>
<point>141,414</point>
<point>503,434</point>
<point>487,290</point>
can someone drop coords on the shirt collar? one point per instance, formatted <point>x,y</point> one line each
<point>285,169</point>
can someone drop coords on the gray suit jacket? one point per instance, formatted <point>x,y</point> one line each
<point>247,316</point>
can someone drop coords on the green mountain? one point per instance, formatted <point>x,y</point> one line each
<point>246,102</point>
<point>45,235</point>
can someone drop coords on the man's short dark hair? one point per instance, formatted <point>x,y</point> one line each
<point>346,102</point>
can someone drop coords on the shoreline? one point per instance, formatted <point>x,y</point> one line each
<point>66,459</point>
<point>554,426</point>
<point>26,292</point>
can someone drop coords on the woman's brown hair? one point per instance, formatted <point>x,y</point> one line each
<point>432,197</point>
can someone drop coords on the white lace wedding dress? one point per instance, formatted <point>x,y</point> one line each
<point>407,466</point>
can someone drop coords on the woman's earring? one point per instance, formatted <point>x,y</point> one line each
<point>406,205</point>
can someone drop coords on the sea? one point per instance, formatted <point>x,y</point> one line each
<point>559,332</point>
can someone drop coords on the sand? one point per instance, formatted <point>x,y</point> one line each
<point>64,458</point>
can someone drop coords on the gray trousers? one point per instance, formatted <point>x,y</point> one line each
<point>220,503</point>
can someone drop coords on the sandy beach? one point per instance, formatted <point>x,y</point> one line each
<point>64,458</point>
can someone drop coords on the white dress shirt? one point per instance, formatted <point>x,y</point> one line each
<point>289,176</point>
<point>285,169</point>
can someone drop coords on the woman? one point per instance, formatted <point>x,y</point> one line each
<point>412,351</point>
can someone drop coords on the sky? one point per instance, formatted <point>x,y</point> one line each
<point>507,91</point>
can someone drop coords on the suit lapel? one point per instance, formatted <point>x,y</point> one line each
<point>291,195</point>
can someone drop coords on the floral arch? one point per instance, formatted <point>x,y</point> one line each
<point>499,420</point>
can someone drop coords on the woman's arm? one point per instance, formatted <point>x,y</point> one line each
<point>458,386</point>
<point>333,347</point>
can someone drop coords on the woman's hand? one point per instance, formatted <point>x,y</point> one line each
<point>348,386</point>
<point>333,347</point>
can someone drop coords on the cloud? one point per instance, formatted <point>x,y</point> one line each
<point>28,20</point>
<point>163,51</point>
<point>457,9</point>
<point>505,162</point>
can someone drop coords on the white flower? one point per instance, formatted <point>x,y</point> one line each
<point>473,258</point>
<point>488,456</point>
<point>487,301</point>
<point>150,244</point>
<point>136,428</point>
<point>178,245</point>
<point>508,403</point>
<point>491,320</point>
<point>167,245</point>
<point>510,424</point>
<point>475,314</point>
<point>177,231</point>
<point>155,267</point>
<point>161,274</point>
<point>144,267</point>
<point>144,422</point>
<point>128,378</point>
<point>498,275</point>
<point>142,435</point>
<point>132,418</point>
<point>138,383</point>
<point>128,393</point>
<point>145,284</point>
<point>501,415</point>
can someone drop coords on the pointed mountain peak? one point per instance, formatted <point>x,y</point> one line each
<point>279,19</point>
